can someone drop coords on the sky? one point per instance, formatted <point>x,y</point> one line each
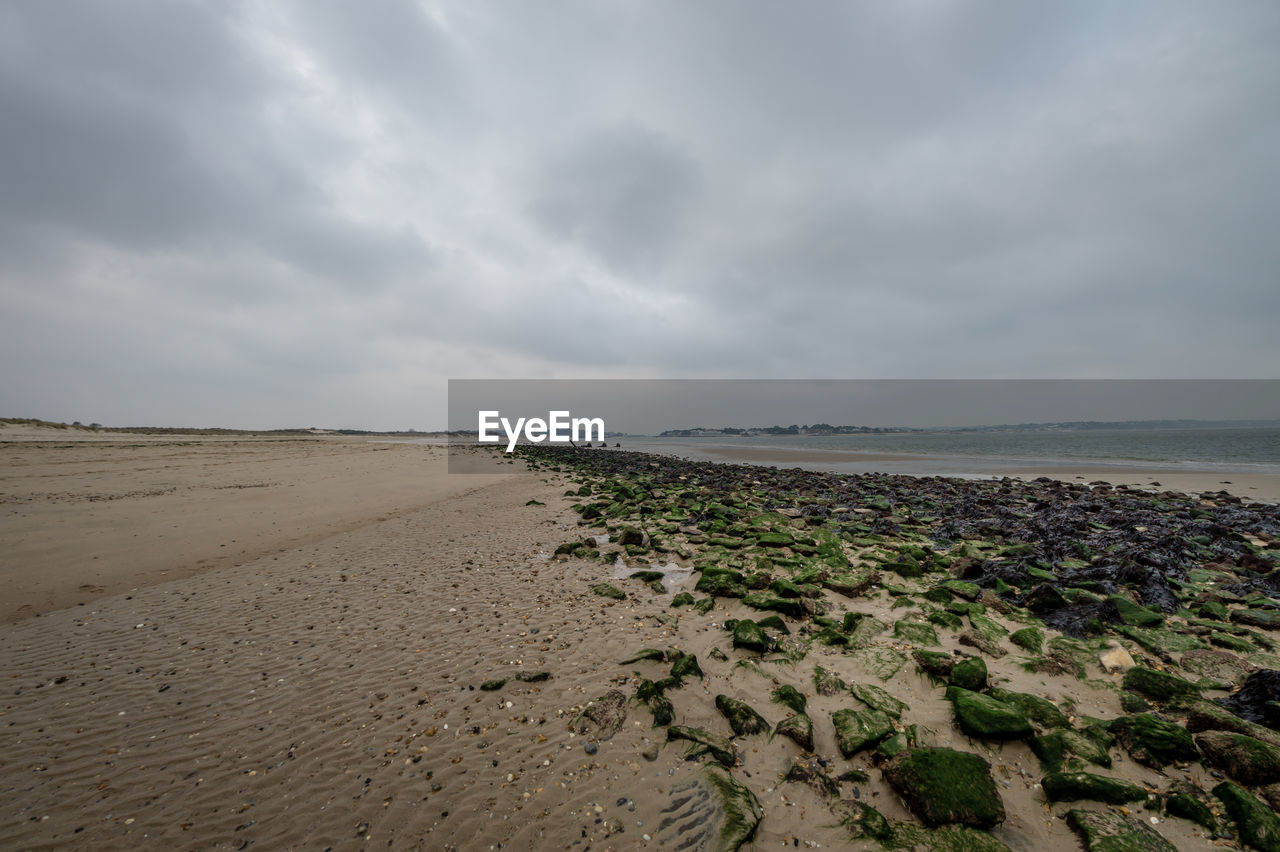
<point>315,213</point>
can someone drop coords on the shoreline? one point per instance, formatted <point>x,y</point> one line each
<point>1262,487</point>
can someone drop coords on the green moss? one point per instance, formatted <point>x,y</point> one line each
<point>1154,742</point>
<point>1042,711</point>
<point>877,699</point>
<point>884,663</point>
<point>1188,807</point>
<point>1068,749</point>
<point>916,632</point>
<point>1073,786</point>
<point>1257,824</point>
<point>704,743</point>
<point>860,729</point>
<point>742,811</point>
<point>983,716</point>
<point>970,673</point>
<point>605,590</point>
<point>748,635</point>
<point>948,838</point>
<point>1104,831</point>
<point>789,696</point>
<point>827,683</point>
<point>789,607</point>
<point>1160,686</point>
<point>1028,638</point>
<point>941,785</point>
<point>743,719</point>
<point>682,599</point>
<point>1244,758</point>
<point>797,728</point>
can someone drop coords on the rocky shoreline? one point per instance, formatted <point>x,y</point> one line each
<point>1096,657</point>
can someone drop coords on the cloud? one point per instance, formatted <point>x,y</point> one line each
<point>318,212</point>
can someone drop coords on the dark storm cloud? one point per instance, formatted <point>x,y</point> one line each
<point>315,212</point>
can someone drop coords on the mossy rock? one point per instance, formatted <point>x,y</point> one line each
<point>682,599</point>
<point>1074,786</point>
<point>937,664</point>
<point>941,786</point>
<point>963,588</point>
<point>1041,711</point>
<point>774,539</point>
<point>685,665</point>
<point>883,662</point>
<point>877,699</point>
<point>1265,618</point>
<point>947,838</point>
<point>798,729</point>
<point>982,716</point>
<point>1135,614</point>
<point>774,623</point>
<point>705,605</point>
<point>969,673</point>
<point>1153,741</point>
<point>646,576</point>
<point>826,683</point>
<point>1105,831</point>
<point>915,632</point>
<point>863,821</point>
<point>740,811</point>
<point>603,716</point>
<point>860,729</point>
<point>789,696</point>
<point>743,719</point>
<point>1189,807</point>
<point>722,583</point>
<point>948,620</point>
<point>1257,824</point>
<point>789,607</point>
<point>605,590</point>
<point>1161,640</point>
<point>1221,666</point>
<point>1212,610</point>
<point>661,708</point>
<point>1065,748</point>
<point>492,685</point>
<point>748,636</point>
<point>987,627</point>
<point>704,743</point>
<point>1244,758</point>
<point>1160,686</point>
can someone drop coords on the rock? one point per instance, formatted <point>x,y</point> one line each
<point>492,685</point>
<point>629,535</point>
<point>826,683</point>
<point>1073,786</point>
<point>1044,598</point>
<point>1258,701</point>
<point>970,674</point>
<point>1041,711</point>
<point>603,717</point>
<point>1257,824</point>
<point>948,838</point>
<point>982,716</point>
<point>1104,831</point>
<point>1268,619</point>
<point>798,729</point>
<point>744,720</point>
<point>863,821</point>
<point>1135,614</point>
<point>1207,716</point>
<point>605,590</point>
<point>1153,741</point>
<point>686,665</point>
<point>1245,759</point>
<point>860,729</point>
<point>704,743</point>
<point>748,635</point>
<point>1222,666</point>
<point>988,646</point>
<point>915,632</point>
<point>1115,659</point>
<point>789,696</point>
<point>877,699</point>
<point>1191,806</point>
<point>656,655</point>
<point>682,599</point>
<point>1028,638</point>
<point>810,772</point>
<point>721,582</point>
<point>790,607</point>
<point>712,812</point>
<point>1066,749</point>
<point>941,785</point>
<point>937,664</point>
<point>1160,686</point>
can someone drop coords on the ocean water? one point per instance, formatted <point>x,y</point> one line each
<point>1244,449</point>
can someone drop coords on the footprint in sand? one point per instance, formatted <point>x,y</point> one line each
<point>90,587</point>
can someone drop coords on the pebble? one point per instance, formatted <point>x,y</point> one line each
<point>590,748</point>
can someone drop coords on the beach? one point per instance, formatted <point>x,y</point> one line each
<point>331,642</point>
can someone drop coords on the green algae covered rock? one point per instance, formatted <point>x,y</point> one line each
<point>1041,711</point>
<point>748,635</point>
<point>790,607</point>
<point>721,582</point>
<point>1105,831</point>
<point>916,632</point>
<point>704,743</point>
<point>1135,614</point>
<point>1245,759</point>
<point>682,599</point>
<point>863,821</point>
<point>947,838</point>
<point>685,665</point>
<point>1160,686</point>
<point>1258,825</point>
<point>605,590</point>
<point>1188,806</point>
<point>743,719</point>
<point>827,683</point>
<point>1028,638</point>
<point>1073,786</point>
<point>860,729</point>
<point>740,808</point>
<point>798,729</point>
<point>970,673</point>
<point>982,716</point>
<point>877,699</point>
<point>1153,741</point>
<point>1066,748</point>
<point>789,696</point>
<point>941,786</point>
<point>937,664</point>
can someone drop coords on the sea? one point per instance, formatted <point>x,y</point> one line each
<point>1243,449</point>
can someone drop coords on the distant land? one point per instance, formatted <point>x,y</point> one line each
<point>820,429</point>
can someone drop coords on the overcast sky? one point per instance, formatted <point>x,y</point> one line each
<point>277,214</point>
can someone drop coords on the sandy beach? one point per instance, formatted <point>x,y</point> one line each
<point>332,643</point>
